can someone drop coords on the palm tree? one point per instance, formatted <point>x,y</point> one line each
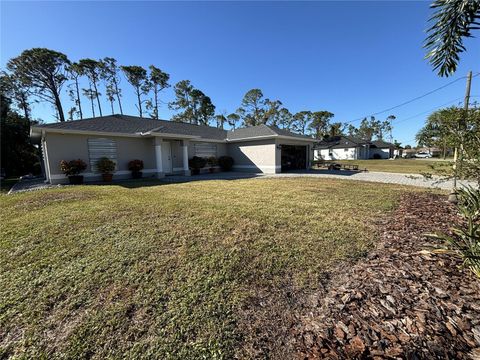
<point>453,20</point>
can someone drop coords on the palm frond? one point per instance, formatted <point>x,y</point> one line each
<point>453,20</point>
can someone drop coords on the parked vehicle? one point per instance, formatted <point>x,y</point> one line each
<point>423,155</point>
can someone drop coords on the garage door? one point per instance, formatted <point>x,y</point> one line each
<point>294,157</point>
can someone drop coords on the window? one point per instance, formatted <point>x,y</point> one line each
<point>101,147</point>
<point>205,150</point>
<point>345,149</point>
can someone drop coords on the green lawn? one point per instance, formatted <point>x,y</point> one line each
<point>167,271</point>
<point>405,166</point>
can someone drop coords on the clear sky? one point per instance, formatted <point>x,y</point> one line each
<point>350,58</point>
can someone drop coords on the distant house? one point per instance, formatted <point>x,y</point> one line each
<point>352,148</point>
<point>165,147</point>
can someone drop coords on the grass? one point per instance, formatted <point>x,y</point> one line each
<point>404,166</point>
<point>166,271</point>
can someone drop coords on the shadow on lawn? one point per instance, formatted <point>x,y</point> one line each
<point>325,172</point>
<point>177,179</point>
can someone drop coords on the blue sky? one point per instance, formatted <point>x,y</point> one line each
<point>350,58</point>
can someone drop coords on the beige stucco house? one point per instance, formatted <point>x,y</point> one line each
<point>166,146</point>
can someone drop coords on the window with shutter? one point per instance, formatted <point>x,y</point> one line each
<point>101,147</point>
<point>205,150</point>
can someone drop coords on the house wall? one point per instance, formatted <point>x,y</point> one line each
<point>254,156</point>
<point>337,154</point>
<point>73,146</point>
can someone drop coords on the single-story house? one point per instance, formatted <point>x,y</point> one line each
<point>166,146</point>
<point>352,148</point>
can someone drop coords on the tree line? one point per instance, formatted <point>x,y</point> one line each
<point>41,75</point>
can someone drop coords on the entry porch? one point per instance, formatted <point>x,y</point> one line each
<point>171,157</point>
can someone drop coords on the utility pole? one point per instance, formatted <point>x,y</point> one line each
<point>459,152</point>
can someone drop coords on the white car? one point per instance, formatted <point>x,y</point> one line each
<point>423,155</point>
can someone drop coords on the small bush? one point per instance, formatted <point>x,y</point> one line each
<point>225,162</point>
<point>105,165</point>
<point>197,162</point>
<point>465,238</point>
<point>73,167</point>
<point>135,165</point>
<point>212,161</point>
<point>377,156</point>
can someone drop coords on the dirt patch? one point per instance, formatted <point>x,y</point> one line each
<point>402,300</point>
<point>39,201</point>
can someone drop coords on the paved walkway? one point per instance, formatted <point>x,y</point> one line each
<point>379,177</point>
<point>31,185</point>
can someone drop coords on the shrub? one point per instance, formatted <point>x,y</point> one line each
<point>225,162</point>
<point>197,162</point>
<point>465,238</point>
<point>135,165</point>
<point>212,161</point>
<point>377,156</point>
<point>73,167</point>
<point>105,165</point>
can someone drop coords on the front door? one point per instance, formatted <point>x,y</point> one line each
<point>167,157</point>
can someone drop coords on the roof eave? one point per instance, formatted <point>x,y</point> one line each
<point>83,132</point>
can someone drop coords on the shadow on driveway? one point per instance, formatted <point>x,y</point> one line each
<point>324,172</point>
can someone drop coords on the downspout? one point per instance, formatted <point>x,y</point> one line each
<point>45,158</point>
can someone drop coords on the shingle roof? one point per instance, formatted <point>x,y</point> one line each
<point>381,144</point>
<point>262,130</point>
<point>126,124</point>
<point>113,123</point>
<point>341,142</point>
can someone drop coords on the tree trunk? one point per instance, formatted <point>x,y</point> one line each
<point>24,105</point>
<point>155,91</point>
<point>98,98</point>
<point>78,99</point>
<point>58,105</point>
<point>111,104</point>
<point>56,99</point>
<point>93,105</point>
<point>139,103</point>
<point>118,96</point>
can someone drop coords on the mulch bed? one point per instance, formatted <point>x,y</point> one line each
<point>401,301</point>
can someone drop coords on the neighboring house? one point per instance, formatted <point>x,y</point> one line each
<point>351,148</point>
<point>166,146</point>
<point>434,151</point>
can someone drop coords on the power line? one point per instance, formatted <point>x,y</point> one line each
<point>428,111</point>
<point>412,100</point>
<point>436,107</point>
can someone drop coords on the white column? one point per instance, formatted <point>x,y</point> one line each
<point>158,157</point>
<point>186,169</point>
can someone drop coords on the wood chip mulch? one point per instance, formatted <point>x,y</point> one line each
<point>402,301</point>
